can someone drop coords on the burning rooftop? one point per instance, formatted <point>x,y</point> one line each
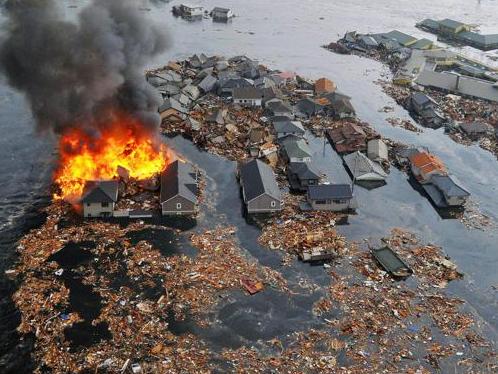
<point>122,143</point>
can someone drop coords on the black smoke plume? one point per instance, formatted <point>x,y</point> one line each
<point>76,74</point>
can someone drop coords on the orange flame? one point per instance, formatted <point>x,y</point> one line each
<point>122,143</point>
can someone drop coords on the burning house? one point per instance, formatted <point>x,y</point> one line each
<point>102,108</point>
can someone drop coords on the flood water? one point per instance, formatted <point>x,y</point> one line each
<point>287,35</point>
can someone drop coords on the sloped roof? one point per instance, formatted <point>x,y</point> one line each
<point>449,185</point>
<point>220,10</point>
<point>330,191</point>
<point>360,165</point>
<point>427,162</point>
<point>422,44</point>
<point>100,192</point>
<point>278,106</point>
<point>171,103</point>
<point>208,83</point>
<point>288,126</point>
<point>421,99</point>
<point>178,179</point>
<point>257,179</point>
<point>304,170</point>
<point>324,85</point>
<point>296,148</point>
<point>247,93</point>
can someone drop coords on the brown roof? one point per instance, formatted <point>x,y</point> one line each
<point>348,138</point>
<point>324,85</point>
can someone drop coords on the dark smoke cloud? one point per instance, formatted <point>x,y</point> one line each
<point>72,73</point>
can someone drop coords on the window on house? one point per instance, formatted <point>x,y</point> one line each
<point>273,204</point>
<point>88,204</point>
<point>339,201</point>
<point>105,205</point>
<point>321,202</point>
<point>178,205</point>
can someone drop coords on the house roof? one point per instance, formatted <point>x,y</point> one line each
<point>178,179</point>
<point>304,170</point>
<point>360,165</point>
<point>278,106</point>
<point>422,44</point>
<point>306,106</point>
<point>421,99</point>
<point>368,40</point>
<point>296,148</point>
<point>427,162</point>
<point>323,85</point>
<point>221,10</point>
<point>476,127</point>
<point>257,179</point>
<point>400,37</point>
<point>171,103</point>
<point>247,93</point>
<point>452,24</point>
<point>100,192</point>
<point>208,83</point>
<point>429,23</point>
<point>449,185</point>
<point>288,126</point>
<point>330,191</point>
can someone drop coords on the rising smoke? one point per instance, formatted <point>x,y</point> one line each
<point>73,73</point>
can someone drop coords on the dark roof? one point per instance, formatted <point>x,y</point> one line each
<point>278,106</point>
<point>400,37</point>
<point>307,106</point>
<point>429,23</point>
<point>100,192</point>
<point>257,178</point>
<point>296,147</point>
<point>330,191</point>
<point>420,99</point>
<point>449,185</point>
<point>247,93</point>
<point>304,170</point>
<point>179,178</point>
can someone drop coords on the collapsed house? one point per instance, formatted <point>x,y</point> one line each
<point>99,198</point>
<point>259,188</point>
<point>347,138</point>
<point>425,107</point>
<point>178,189</point>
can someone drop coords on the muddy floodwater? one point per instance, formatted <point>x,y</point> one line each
<point>286,35</point>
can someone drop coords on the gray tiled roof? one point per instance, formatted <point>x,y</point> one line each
<point>304,170</point>
<point>330,191</point>
<point>179,179</point>
<point>288,126</point>
<point>257,178</point>
<point>100,192</point>
<point>247,93</point>
<point>449,185</point>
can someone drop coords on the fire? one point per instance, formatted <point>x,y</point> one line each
<point>122,143</point>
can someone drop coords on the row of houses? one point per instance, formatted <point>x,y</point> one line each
<point>460,32</point>
<point>178,194</point>
<point>193,12</point>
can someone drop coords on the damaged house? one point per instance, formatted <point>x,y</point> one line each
<point>425,107</point>
<point>446,191</point>
<point>178,189</point>
<point>301,175</point>
<point>99,198</point>
<point>259,188</point>
<point>288,127</point>
<point>295,149</point>
<point>347,138</point>
<point>172,111</point>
